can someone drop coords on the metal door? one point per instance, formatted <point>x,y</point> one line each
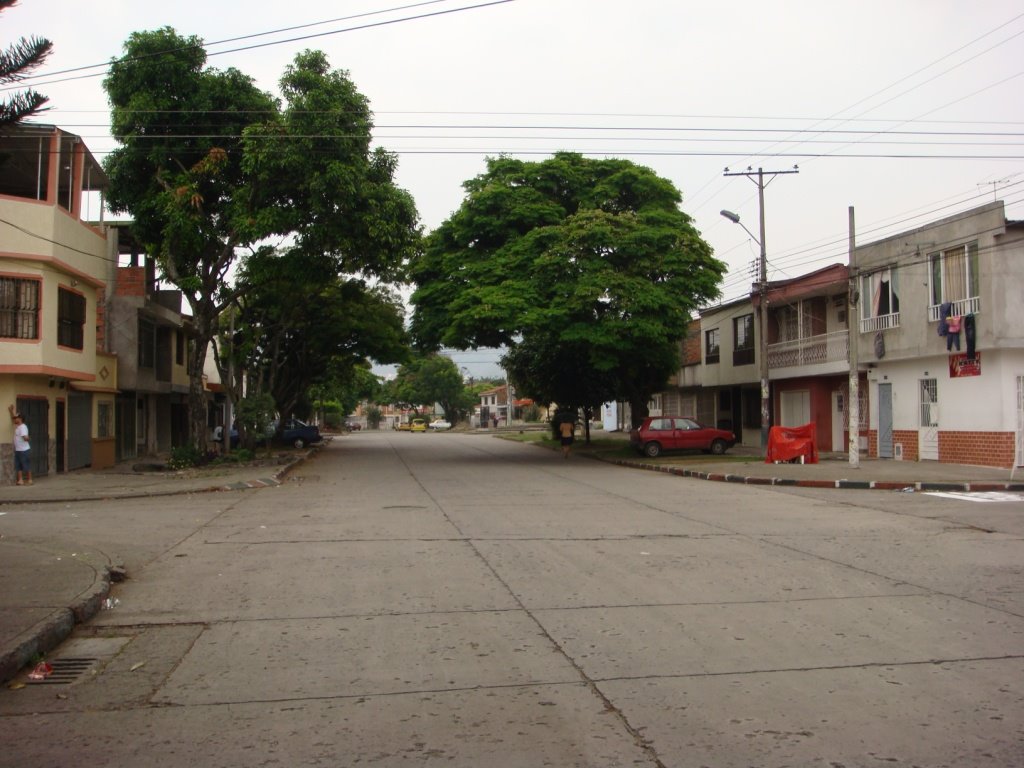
<point>928,426</point>
<point>79,430</point>
<point>36,415</point>
<point>795,407</point>
<point>840,419</point>
<point>59,436</point>
<point>885,421</point>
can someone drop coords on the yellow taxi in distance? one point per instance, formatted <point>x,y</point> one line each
<point>403,426</point>
<point>419,425</point>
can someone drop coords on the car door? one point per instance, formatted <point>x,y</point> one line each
<point>688,432</point>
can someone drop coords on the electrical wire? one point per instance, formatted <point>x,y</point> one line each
<point>41,83</point>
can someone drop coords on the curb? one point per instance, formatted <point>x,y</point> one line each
<point>54,630</point>
<point>874,485</point>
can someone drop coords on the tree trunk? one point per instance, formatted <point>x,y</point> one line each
<point>638,411</point>
<point>196,392</point>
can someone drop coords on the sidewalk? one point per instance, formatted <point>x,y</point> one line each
<point>44,595</point>
<point>834,471</point>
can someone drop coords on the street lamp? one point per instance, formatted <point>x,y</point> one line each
<point>763,322</point>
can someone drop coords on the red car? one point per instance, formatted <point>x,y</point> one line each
<point>670,433</point>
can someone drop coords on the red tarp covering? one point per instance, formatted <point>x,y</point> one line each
<point>788,443</point>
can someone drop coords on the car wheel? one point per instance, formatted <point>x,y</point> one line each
<point>299,443</point>
<point>652,450</point>
<point>718,447</point>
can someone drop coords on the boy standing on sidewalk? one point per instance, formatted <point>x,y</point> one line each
<point>22,454</point>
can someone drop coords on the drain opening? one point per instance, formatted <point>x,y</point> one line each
<point>65,671</point>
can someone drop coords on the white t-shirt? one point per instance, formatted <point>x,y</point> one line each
<point>21,437</point>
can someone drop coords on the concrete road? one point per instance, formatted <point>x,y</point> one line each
<point>459,600</point>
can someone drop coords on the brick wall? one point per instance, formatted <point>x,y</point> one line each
<point>131,281</point>
<point>990,449</point>
<point>983,449</point>
<point>690,354</point>
<point>908,438</point>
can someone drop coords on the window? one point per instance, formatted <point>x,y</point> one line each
<point>179,348</point>
<point>104,411</point>
<point>711,346</point>
<point>953,278</point>
<point>19,308</point>
<point>879,300</point>
<point>70,319</point>
<point>743,340</point>
<point>661,425</point>
<point>147,344</point>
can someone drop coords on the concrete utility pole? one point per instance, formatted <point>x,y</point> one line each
<point>763,313</point>
<point>853,330</point>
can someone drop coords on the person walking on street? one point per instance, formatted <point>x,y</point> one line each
<point>566,431</point>
<point>22,454</point>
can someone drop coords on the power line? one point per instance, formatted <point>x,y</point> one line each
<point>359,28</point>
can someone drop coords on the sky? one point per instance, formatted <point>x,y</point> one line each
<point>906,110</point>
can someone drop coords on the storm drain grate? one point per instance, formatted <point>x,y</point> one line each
<point>65,671</point>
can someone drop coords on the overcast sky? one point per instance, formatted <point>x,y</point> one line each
<point>908,110</point>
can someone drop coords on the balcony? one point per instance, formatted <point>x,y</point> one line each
<point>960,308</point>
<point>880,323</point>
<point>812,350</point>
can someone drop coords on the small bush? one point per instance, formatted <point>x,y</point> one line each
<point>184,456</point>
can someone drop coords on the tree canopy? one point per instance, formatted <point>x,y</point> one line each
<point>209,166</point>
<point>429,379</point>
<point>16,61</point>
<point>288,346</point>
<point>577,264</point>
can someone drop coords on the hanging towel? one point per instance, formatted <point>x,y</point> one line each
<point>969,335</point>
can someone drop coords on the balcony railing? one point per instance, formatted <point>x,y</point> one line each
<point>813,350</point>
<point>970,306</point>
<point>880,323</point>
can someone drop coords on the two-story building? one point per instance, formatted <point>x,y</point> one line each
<point>54,268</point>
<point>941,335</point>
<point>730,392</point>
<point>150,336</point>
<point>809,355</point>
<point>53,277</point>
<point>939,328</point>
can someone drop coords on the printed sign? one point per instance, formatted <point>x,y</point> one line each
<point>960,366</point>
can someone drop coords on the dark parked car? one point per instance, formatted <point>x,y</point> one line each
<point>671,433</point>
<point>297,433</point>
<point>294,432</point>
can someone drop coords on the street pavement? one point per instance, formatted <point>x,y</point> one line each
<point>46,593</point>
<point>432,599</point>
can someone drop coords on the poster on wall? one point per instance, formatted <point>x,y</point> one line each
<point>960,366</point>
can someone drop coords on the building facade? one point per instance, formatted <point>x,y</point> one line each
<point>941,336</point>
<point>54,272</point>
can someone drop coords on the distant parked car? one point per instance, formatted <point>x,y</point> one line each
<point>404,426</point>
<point>354,426</point>
<point>419,425</point>
<point>440,425</point>
<point>297,433</point>
<point>672,433</point>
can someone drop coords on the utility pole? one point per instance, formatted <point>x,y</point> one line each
<point>853,329</point>
<point>763,308</point>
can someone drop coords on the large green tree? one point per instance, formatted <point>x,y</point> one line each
<point>433,378</point>
<point>288,346</point>
<point>589,264</point>
<point>16,61</point>
<point>209,166</point>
